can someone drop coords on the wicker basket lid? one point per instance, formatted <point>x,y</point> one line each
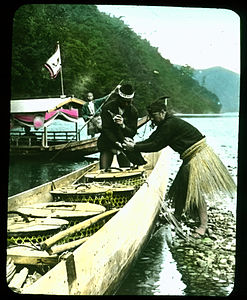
<point>18,226</point>
<point>113,174</point>
<point>93,188</point>
<point>62,210</point>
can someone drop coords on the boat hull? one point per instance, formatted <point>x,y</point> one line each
<point>98,266</point>
<point>73,150</point>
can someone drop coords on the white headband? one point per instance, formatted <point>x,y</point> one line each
<point>124,95</point>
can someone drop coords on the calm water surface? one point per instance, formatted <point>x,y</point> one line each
<point>154,272</point>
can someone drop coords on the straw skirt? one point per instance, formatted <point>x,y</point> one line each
<point>202,175</point>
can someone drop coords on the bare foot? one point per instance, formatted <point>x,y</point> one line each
<point>199,232</point>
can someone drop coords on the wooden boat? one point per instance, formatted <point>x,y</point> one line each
<point>40,113</point>
<point>37,113</point>
<point>99,265</point>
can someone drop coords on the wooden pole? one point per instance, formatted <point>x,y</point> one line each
<point>67,246</point>
<point>62,88</point>
<point>79,131</point>
<point>73,229</point>
<point>61,72</point>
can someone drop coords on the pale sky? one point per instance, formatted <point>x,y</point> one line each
<point>199,37</point>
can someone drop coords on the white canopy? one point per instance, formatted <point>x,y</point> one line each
<point>40,105</point>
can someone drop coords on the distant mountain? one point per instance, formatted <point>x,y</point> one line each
<point>223,83</point>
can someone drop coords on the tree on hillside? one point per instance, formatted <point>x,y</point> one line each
<point>98,51</point>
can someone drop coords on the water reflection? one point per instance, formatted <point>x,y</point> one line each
<point>155,271</point>
<point>24,174</point>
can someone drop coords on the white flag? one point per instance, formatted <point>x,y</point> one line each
<point>53,64</point>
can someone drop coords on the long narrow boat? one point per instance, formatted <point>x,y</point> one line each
<point>99,265</point>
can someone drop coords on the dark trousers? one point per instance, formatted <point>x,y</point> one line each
<point>106,158</point>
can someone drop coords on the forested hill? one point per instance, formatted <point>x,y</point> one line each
<point>98,51</point>
<point>223,83</point>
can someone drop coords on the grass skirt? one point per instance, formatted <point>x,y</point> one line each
<point>202,175</point>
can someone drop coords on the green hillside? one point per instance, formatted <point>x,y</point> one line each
<point>98,51</point>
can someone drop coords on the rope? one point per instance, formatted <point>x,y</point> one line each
<point>144,132</point>
<point>170,218</point>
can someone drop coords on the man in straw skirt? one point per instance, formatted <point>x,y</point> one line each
<point>201,175</point>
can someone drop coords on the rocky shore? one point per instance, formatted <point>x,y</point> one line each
<point>207,265</point>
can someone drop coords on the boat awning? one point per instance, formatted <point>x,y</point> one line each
<point>38,113</point>
<point>41,105</point>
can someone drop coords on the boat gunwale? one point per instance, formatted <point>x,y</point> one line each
<point>46,188</point>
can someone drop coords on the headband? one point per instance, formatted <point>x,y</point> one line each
<point>124,95</point>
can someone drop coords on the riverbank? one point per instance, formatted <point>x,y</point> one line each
<point>207,265</point>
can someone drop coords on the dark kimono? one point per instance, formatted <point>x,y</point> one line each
<point>113,132</point>
<point>202,174</point>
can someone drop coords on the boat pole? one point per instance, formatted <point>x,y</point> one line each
<point>99,107</point>
<point>75,228</point>
<point>78,133</point>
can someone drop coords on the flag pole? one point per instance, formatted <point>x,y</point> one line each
<point>61,75</point>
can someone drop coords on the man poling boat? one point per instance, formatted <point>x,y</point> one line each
<point>202,174</point>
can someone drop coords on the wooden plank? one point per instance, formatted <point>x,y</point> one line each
<point>90,143</point>
<point>62,209</point>
<point>19,279</point>
<point>114,174</point>
<point>71,272</point>
<point>93,188</point>
<point>27,256</point>
<point>18,226</point>
<point>10,269</point>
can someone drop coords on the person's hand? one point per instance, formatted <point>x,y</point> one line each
<point>128,144</point>
<point>115,91</point>
<point>119,145</point>
<point>119,120</point>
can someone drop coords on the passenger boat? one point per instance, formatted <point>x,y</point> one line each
<point>101,261</point>
<point>46,144</point>
<point>39,114</point>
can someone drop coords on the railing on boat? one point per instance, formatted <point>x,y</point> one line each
<point>17,138</point>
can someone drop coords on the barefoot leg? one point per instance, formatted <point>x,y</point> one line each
<point>203,216</point>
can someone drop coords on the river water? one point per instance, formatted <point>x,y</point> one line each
<point>155,271</point>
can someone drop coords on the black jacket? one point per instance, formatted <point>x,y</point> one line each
<point>173,132</point>
<point>112,132</point>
